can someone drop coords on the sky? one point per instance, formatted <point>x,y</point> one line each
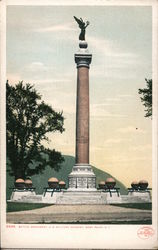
<point>41,43</point>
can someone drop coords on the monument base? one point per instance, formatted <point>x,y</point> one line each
<point>82,178</point>
<point>77,196</point>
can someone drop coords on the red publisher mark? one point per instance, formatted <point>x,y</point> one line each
<point>145,232</point>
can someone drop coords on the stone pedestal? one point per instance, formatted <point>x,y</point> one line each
<point>111,199</point>
<point>82,176</point>
<point>51,199</point>
<point>19,195</point>
<point>140,195</point>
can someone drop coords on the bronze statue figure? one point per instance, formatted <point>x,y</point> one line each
<point>82,26</point>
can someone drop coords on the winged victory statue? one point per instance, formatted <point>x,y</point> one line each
<point>82,26</point>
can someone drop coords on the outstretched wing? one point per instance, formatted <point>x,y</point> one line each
<point>78,20</point>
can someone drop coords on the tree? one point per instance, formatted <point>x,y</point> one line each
<point>29,120</point>
<point>147,97</point>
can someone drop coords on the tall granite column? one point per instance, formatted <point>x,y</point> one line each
<point>82,109</point>
<point>82,176</point>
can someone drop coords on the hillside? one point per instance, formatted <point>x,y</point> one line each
<point>40,181</point>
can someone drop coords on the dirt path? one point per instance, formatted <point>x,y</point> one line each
<point>78,213</point>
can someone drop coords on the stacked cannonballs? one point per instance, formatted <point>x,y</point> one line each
<point>52,183</point>
<point>141,185</point>
<point>22,184</point>
<point>108,184</point>
<point>56,184</point>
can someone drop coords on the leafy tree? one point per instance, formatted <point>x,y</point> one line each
<point>147,97</point>
<point>29,120</point>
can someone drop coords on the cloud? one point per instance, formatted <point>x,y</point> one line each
<point>131,129</point>
<point>36,66</point>
<point>126,96</point>
<point>107,115</point>
<point>56,28</point>
<point>110,49</point>
<point>113,101</point>
<point>60,100</point>
<point>118,158</point>
<point>100,111</point>
<point>132,159</point>
<point>106,144</point>
<point>96,148</point>
<point>112,60</point>
<point>147,147</point>
<point>14,78</point>
<point>50,80</point>
<point>113,56</point>
<point>113,141</point>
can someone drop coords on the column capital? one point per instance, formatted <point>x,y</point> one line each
<point>83,58</point>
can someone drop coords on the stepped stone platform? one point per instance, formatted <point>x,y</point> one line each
<point>79,197</point>
<point>68,197</point>
<point>86,197</point>
<point>71,197</point>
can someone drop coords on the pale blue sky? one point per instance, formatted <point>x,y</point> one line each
<point>41,42</point>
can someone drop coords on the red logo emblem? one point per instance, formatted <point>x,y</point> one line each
<point>145,232</point>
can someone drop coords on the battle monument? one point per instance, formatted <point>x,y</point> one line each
<point>82,176</point>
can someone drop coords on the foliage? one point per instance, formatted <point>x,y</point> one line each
<point>29,120</point>
<point>147,97</point>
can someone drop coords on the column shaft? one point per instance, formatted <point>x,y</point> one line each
<point>82,116</point>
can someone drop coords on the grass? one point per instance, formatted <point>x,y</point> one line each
<point>139,222</point>
<point>17,206</point>
<point>142,206</point>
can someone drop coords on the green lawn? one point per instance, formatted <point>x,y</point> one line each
<point>17,206</point>
<point>143,206</point>
<point>139,222</point>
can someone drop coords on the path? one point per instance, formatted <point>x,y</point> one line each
<point>79,213</point>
